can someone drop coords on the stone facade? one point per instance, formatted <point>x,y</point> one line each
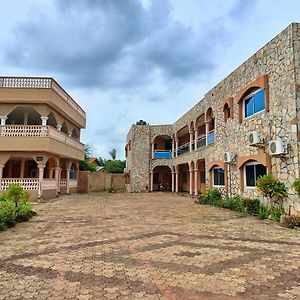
<point>275,69</point>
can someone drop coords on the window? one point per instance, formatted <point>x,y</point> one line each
<point>252,172</point>
<point>227,113</point>
<point>218,177</point>
<point>254,103</point>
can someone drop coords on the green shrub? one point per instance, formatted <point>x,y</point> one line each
<point>271,187</point>
<point>24,211</point>
<point>275,214</point>
<point>7,214</point>
<point>251,206</point>
<point>212,196</point>
<point>263,212</point>
<point>296,186</point>
<point>16,194</point>
<point>233,203</point>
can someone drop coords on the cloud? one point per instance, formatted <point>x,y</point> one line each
<point>112,44</point>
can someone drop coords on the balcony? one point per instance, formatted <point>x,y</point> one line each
<point>39,138</point>
<point>162,154</point>
<point>201,142</point>
<point>183,148</point>
<point>25,90</point>
<point>211,137</point>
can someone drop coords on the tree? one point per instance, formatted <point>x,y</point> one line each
<point>86,165</point>
<point>113,153</point>
<point>115,166</point>
<point>101,161</point>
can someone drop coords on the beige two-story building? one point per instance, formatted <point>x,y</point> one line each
<point>39,136</point>
<point>246,126</point>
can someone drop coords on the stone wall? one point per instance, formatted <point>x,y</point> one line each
<point>275,67</point>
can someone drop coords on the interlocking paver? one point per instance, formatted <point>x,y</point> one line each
<point>147,246</point>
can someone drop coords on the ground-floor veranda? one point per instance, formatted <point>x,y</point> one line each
<point>43,175</point>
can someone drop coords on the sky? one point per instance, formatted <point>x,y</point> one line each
<point>127,60</point>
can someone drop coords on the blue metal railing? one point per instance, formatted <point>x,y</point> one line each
<point>162,154</point>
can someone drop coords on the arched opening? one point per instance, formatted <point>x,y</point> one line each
<point>74,134</point>
<point>73,171</point>
<point>183,137</point>
<point>200,127</point>
<point>162,146</point>
<point>227,112</point>
<point>210,120</point>
<point>52,120</point>
<point>49,171</point>
<point>200,174</point>
<point>64,128</point>
<point>18,167</point>
<point>24,115</point>
<point>183,178</point>
<point>162,178</point>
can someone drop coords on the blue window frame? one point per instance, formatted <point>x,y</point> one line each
<point>254,103</point>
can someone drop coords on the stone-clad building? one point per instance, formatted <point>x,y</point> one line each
<point>246,126</point>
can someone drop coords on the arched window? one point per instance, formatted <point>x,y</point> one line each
<point>227,113</point>
<point>254,102</point>
<point>218,177</point>
<point>252,171</point>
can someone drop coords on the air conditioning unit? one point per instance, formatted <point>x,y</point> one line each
<point>256,138</point>
<point>229,157</point>
<point>278,147</point>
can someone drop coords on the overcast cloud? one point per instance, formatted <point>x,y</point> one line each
<point>135,59</point>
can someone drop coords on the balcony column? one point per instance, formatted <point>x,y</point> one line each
<point>206,131</point>
<point>173,148</point>
<point>1,171</point>
<point>70,133</point>
<point>196,182</point>
<point>10,169</point>
<point>173,181</point>
<point>191,181</point>
<point>152,150</point>
<point>196,138</point>
<point>68,181</point>
<point>25,120</point>
<point>151,181</point>
<point>57,178</point>
<point>176,147</point>
<point>191,141</point>
<point>3,120</point>
<point>22,169</point>
<point>41,178</point>
<point>59,127</point>
<point>44,120</point>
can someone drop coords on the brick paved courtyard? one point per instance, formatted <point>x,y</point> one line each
<point>146,246</point>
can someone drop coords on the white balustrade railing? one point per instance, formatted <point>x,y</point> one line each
<point>39,131</point>
<point>72,183</point>
<point>40,83</point>
<point>26,183</point>
<point>24,131</point>
<point>63,182</point>
<point>49,184</point>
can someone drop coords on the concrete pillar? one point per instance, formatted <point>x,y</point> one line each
<point>57,178</point>
<point>59,127</point>
<point>173,182</point>
<point>41,178</point>
<point>3,120</point>
<point>191,182</point>
<point>70,133</point>
<point>176,182</point>
<point>191,141</point>
<point>152,150</point>
<point>196,182</point>
<point>44,120</point>
<point>68,181</point>
<point>206,131</point>
<point>176,147</point>
<point>196,138</point>
<point>22,169</point>
<point>50,175</point>
<point>173,149</point>
<point>151,181</point>
<point>1,171</point>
